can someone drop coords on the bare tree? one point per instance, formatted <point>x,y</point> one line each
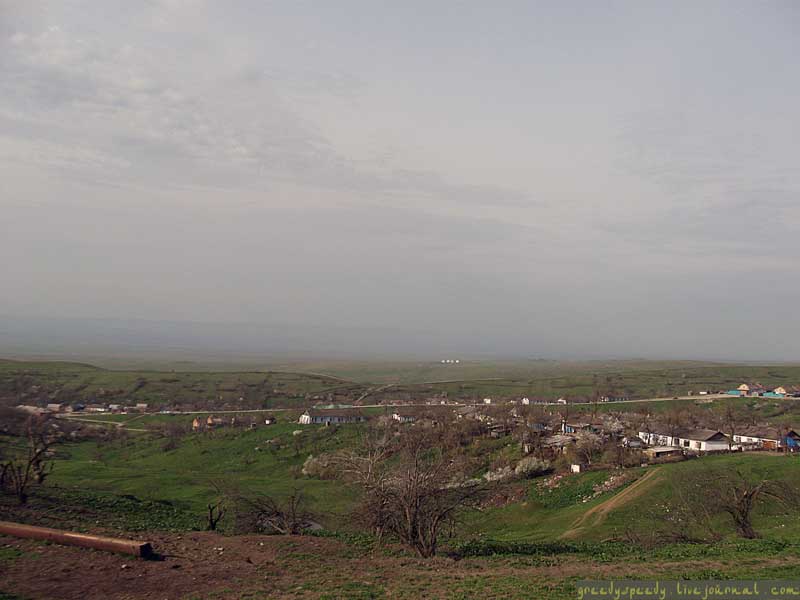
<point>699,497</point>
<point>412,489</point>
<point>738,496</point>
<point>216,512</point>
<point>266,515</point>
<point>730,423</point>
<point>587,444</point>
<point>674,421</point>
<point>33,465</point>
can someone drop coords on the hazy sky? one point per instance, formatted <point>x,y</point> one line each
<point>508,178</point>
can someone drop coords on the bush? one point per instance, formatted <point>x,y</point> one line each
<point>500,474</point>
<point>531,466</point>
<point>321,467</point>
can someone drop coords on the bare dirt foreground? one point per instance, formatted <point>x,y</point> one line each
<point>210,566</point>
<point>194,565</point>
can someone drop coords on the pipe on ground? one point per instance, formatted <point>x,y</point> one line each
<point>84,540</point>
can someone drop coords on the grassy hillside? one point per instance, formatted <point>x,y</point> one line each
<point>549,515</point>
<point>30,382</point>
<point>269,460</point>
<point>266,460</point>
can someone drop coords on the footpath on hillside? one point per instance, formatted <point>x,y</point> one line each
<point>597,514</point>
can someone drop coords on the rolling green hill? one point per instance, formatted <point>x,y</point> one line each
<point>38,382</point>
<point>41,382</point>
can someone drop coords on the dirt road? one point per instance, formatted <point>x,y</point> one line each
<point>597,514</point>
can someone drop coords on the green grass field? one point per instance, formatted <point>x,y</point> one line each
<point>266,460</point>
<point>547,516</point>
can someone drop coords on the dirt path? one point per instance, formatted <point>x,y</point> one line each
<point>597,514</point>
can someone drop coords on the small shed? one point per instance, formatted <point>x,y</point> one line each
<point>662,451</point>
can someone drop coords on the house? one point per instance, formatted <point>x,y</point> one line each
<point>472,412</point>
<point>558,442</point>
<point>54,407</point>
<point>196,424</point>
<point>561,401</point>
<point>270,420</point>
<point>487,400</point>
<point>404,416</point>
<point>466,412</point>
<point>115,407</point>
<point>768,438</point>
<point>633,442</point>
<point>332,416</point>
<point>749,389</point>
<point>141,406</point>
<point>96,408</point>
<point>692,440</point>
<point>784,391</point>
<point>525,401</point>
<point>212,421</point>
<point>499,430</point>
<point>614,398</point>
<point>434,415</point>
<point>575,427</point>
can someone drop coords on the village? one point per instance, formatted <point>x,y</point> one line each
<point>554,433</point>
<point>550,428</point>
<point>566,435</point>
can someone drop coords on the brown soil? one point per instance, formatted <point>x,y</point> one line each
<point>211,566</point>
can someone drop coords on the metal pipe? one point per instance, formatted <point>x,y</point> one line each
<point>84,540</point>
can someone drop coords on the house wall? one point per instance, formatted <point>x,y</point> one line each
<point>324,419</point>
<point>714,446</point>
<point>655,439</point>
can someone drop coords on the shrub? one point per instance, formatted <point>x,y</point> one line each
<point>321,467</point>
<point>531,466</point>
<point>500,474</point>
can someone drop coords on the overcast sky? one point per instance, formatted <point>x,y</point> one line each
<point>495,178</point>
